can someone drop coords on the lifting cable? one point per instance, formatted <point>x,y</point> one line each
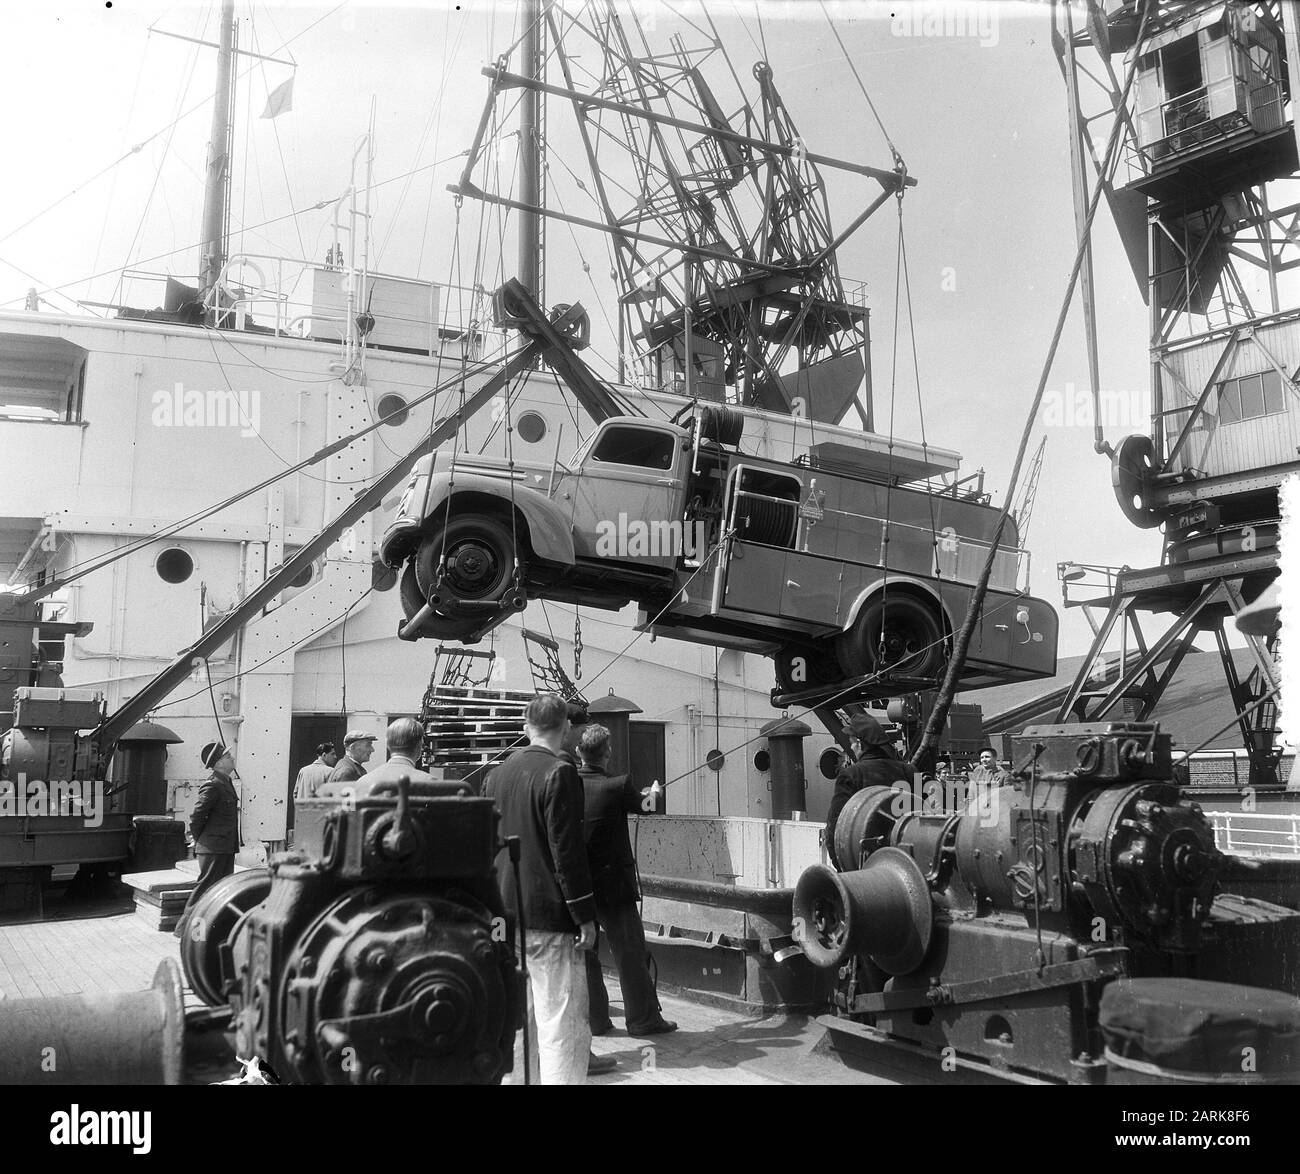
<point>920,400</point>
<point>889,476</point>
<point>898,159</point>
<point>902,281</point>
<point>948,689</point>
<point>798,713</point>
<point>275,655</point>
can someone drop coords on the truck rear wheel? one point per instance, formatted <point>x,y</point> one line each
<point>893,633</point>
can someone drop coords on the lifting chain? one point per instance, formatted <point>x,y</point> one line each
<point>577,645</point>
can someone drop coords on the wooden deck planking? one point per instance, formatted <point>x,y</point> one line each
<point>712,1047</point>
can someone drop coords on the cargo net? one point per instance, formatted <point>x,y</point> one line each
<point>459,667</point>
<point>548,673</point>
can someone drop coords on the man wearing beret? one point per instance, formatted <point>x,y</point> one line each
<point>214,825</point>
<point>358,746</point>
<point>877,765</point>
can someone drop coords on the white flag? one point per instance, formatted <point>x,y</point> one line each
<point>279,100</point>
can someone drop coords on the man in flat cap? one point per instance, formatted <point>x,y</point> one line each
<point>358,746</point>
<point>877,765</point>
<point>214,825</point>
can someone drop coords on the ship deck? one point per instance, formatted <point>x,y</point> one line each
<point>119,953</point>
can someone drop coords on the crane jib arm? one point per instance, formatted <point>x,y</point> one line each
<point>559,339</point>
<point>368,499</point>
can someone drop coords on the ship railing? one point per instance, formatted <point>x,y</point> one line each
<point>1264,836</point>
<point>1210,113</point>
<point>264,287</point>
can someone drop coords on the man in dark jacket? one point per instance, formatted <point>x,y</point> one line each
<point>877,765</point>
<point>214,825</point>
<point>539,796</point>
<point>607,801</point>
<point>358,746</point>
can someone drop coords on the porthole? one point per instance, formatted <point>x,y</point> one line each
<point>830,762</point>
<point>174,565</point>
<point>762,760</point>
<point>392,410</point>
<point>303,577</point>
<point>531,427</point>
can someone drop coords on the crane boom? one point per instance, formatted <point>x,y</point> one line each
<point>123,718</point>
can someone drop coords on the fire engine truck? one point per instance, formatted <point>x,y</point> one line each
<point>828,564</point>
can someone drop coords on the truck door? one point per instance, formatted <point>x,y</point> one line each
<point>627,498</point>
<point>764,572</point>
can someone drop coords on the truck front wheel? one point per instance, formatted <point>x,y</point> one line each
<point>477,557</point>
<point>462,629</point>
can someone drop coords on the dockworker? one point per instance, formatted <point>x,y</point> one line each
<point>578,720</point>
<point>985,780</point>
<point>358,746</point>
<point>539,796</point>
<point>607,801</point>
<point>403,738</point>
<point>314,773</point>
<point>877,765</point>
<point>214,825</point>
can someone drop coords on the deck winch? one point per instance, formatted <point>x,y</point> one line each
<point>376,951</point>
<point>991,929</point>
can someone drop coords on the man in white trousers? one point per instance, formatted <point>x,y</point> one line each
<point>540,799</point>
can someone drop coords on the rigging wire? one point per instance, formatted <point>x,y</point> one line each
<point>316,207</point>
<point>144,212</point>
<point>267,660</point>
<point>275,130</point>
<point>920,400</point>
<point>858,78</point>
<point>158,133</point>
<point>39,281</point>
<point>1110,158</point>
<point>100,561</point>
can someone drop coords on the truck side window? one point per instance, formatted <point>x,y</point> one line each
<point>644,448</point>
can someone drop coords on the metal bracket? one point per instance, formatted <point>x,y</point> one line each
<point>1108,963</point>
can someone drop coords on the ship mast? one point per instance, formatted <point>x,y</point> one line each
<point>212,256</point>
<point>530,155</point>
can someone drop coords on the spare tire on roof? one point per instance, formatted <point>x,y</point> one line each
<point>721,424</point>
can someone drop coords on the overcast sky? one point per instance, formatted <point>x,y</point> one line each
<point>979,116</point>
